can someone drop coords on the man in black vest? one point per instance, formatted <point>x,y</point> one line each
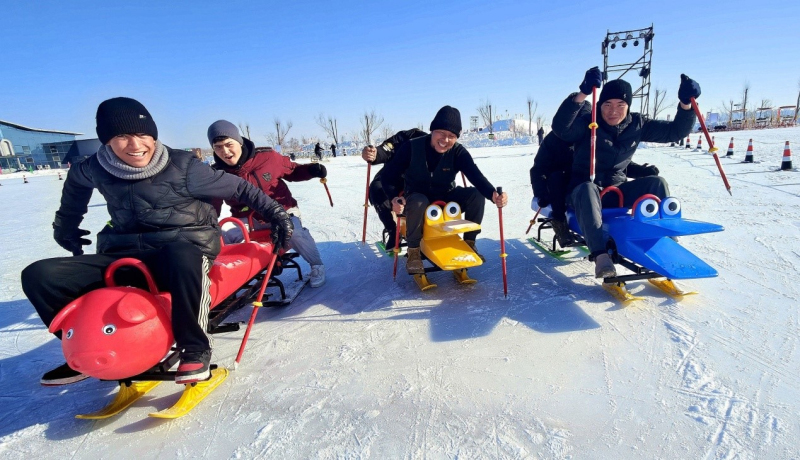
<point>159,201</point>
<point>430,164</point>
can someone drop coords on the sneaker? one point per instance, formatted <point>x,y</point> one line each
<point>471,245</point>
<point>604,267</point>
<point>390,242</point>
<point>62,375</point>
<point>317,276</point>
<point>194,367</point>
<point>563,233</point>
<point>414,262</point>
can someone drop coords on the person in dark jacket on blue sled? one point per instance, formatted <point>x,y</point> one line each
<point>159,201</point>
<point>618,134</point>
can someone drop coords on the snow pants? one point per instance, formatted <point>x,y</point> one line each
<point>585,200</point>
<point>178,268</point>
<point>469,198</point>
<point>557,188</point>
<point>301,240</point>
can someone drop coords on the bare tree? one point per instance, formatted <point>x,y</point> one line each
<point>540,121</point>
<point>485,111</point>
<point>281,131</point>
<point>658,103</point>
<point>727,109</point>
<point>745,90</point>
<point>532,106</point>
<point>421,126</point>
<point>386,132</point>
<point>245,129</point>
<point>330,125</point>
<point>765,103</point>
<point>370,122</point>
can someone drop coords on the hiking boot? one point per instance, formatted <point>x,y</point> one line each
<point>414,262</point>
<point>604,267</point>
<point>194,367</point>
<point>563,233</point>
<point>62,375</point>
<point>317,276</point>
<point>471,245</point>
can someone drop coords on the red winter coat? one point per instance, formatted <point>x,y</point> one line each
<point>267,170</point>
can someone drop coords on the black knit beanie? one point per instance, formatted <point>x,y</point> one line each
<point>123,115</point>
<point>449,119</point>
<point>616,89</point>
<point>223,128</point>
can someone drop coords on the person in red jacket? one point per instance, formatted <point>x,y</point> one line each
<point>268,170</point>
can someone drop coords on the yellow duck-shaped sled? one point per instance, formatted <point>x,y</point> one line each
<point>442,245</point>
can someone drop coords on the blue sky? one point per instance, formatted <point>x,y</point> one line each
<point>192,63</point>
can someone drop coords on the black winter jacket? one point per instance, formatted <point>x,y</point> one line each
<point>443,180</point>
<point>615,144</point>
<point>173,205</point>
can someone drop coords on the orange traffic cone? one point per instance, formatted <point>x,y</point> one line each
<point>699,147</point>
<point>24,179</point>
<point>730,149</point>
<point>786,164</point>
<point>59,176</point>
<point>748,157</point>
<point>688,142</point>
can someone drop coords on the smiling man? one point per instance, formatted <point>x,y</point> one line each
<point>158,200</point>
<point>430,164</point>
<point>618,134</point>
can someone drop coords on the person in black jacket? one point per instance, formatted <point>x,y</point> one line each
<point>540,134</point>
<point>377,196</point>
<point>618,134</point>
<point>318,151</point>
<point>550,177</point>
<point>159,201</point>
<point>333,150</point>
<point>430,165</point>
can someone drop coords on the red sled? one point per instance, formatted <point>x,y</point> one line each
<point>124,333</point>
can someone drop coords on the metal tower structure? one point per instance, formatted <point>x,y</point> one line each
<point>641,66</point>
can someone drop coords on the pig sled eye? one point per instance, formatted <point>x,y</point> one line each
<point>109,329</point>
<point>69,334</point>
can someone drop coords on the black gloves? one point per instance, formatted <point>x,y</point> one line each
<point>317,170</point>
<point>592,79</point>
<point>689,89</point>
<point>69,236</point>
<point>281,222</point>
<point>636,170</point>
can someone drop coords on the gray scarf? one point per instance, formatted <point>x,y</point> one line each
<point>118,168</point>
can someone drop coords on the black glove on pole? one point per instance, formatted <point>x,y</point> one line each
<point>281,221</point>
<point>689,89</point>
<point>592,79</point>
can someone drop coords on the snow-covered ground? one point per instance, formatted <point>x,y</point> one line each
<point>368,367</point>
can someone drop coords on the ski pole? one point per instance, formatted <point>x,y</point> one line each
<point>593,127</point>
<point>325,183</point>
<point>256,305</point>
<point>503,254</point>
<point>366,206</point>
<point>397,245</point>
<point>533,220</point>
<point>711,147</point>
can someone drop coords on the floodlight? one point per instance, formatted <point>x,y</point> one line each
<point>636,43</point>
<point>616,38</point>
<point>628,37</point>
<point>624,44</point>
<point>613,45</point>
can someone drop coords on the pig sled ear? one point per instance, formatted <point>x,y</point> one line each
<point>135,308</point>
<point>55,325</point>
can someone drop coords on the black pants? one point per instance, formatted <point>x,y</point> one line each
<point>178,268</point>
<point>382,204</point>
<point>557,188</point>
<point>585,200</point>
<point>470,200</point>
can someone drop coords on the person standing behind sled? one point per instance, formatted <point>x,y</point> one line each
<point>268,170</point>
<point>430,165</point>
<point>618,135</point>
<point>159,203</point>
<point>540,134</point>
<point>333,150</point>
<point>377,196</point>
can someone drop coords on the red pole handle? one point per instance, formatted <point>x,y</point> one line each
<point>593,127</point>
<point>711,148</point>
<point>325,183</point>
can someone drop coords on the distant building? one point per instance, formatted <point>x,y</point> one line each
<point>22,147</point>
